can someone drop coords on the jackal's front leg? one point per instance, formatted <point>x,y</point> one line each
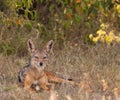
<point>44,84</point>
<point>28,83</point>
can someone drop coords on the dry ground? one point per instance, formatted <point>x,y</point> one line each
<point>96,68</point>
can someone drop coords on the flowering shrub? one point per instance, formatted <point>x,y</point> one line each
<point>105,37</point>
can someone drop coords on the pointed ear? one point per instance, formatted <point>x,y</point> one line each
<point>49,45</point>
<point>31,46</point>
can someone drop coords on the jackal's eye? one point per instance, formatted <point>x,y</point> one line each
<point>45,57</point>
<point>36,57</point>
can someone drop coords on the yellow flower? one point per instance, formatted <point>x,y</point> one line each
<point>95,39</point>
<point>102,38</point>
<point>100,32</point>
<point>90,36</point>
<point>118,8</point>
<point>108,39</point>
<point>102,25</point>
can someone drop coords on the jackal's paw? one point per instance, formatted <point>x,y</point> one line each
<point>30,90</point>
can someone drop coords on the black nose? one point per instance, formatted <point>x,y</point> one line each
<point>41,63</point>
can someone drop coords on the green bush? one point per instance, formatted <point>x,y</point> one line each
<point>61,20</point>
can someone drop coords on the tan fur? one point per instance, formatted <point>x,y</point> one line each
<point>34,73</point>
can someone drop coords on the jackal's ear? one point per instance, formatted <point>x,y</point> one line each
<point>31,46</point>
<point>49,45</point>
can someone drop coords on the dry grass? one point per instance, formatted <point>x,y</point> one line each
<point>96,68</point>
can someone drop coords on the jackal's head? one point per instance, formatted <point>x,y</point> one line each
<point>39,57</point>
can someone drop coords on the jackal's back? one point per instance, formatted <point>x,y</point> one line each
<point>21,74</point>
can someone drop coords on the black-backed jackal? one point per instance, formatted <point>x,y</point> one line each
<point>34,73</point>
